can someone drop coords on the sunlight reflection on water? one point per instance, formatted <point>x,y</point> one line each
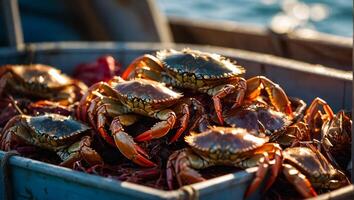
<point>327,16</point>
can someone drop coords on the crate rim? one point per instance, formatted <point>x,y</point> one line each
<point>123,186</point>
<point>77,46</point>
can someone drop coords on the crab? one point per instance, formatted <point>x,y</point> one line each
<point>260,117</point>
<point>334,132</point>
<point>122,100</point>
<point>306,168</point>
<point>224,146</point>
<point>40,81</point>
<point>192,70</point>
<point>53,132</point>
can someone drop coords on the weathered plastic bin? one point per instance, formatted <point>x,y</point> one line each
<point>37,180</point>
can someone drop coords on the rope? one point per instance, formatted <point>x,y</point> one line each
<point>6,175</point>
<point>189,193</point>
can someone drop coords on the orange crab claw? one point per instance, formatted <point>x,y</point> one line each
<point>127,146</point>
<point>275,168</point>
<point>160,129</point>
<point>183,121</point>
<point>259,177</point>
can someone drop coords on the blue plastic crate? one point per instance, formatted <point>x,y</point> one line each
<point>37,180</point>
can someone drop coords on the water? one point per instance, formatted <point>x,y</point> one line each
<point>328,16</point>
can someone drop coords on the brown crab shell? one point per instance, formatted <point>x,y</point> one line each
<point>250,118</point>
<point>53,130</point>
<point>147,93</point>
<point>43,75</point>
<point>312,164</point>
<point>199,65</point>
<point>224,142</point>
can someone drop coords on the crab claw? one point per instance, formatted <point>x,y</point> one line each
<point>269,150</point>
<point>276,94</point>
<point>127,146</point>
<point>160,129</point>
<point>80,150</point>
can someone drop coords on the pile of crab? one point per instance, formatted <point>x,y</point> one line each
<point>172,119</point>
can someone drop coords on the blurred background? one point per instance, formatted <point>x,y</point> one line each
<point>49,18</point>
<point>328,16</point>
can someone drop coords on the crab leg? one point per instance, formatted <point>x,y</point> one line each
<point>90,94</point>
<point>9,130</point>
<point>276,94</point>
<point>313,109</point>
<point>161,128</point>
<point>105,110</point>
<point>141,65</point>
<point>200,120</point>
<point>301,183</point>
<point>270,150</point>
<point>263,165</point>
<point>79,150</point>
<point>127,146</point>
<point>181,165</point>
<point>184,109</point>
<point>111,107</point>
<point>220,92</point>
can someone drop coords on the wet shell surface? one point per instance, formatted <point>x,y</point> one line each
<point>225,140</point>
<point>202,65</point>
<point>41,74</point>
<point>56,126</point>
<point>307,160</point>
<point>146,90</point>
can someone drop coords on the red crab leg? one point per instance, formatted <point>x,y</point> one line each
<point>142,61</point>
<point>259,177</point>
<point>228,89</point>
<point>103,87</point>
<point>276,166</point>
<point>301,183</point>
<point>183,121</point>
<point>270,150</point>
<point>92,109</point>
<point>127,146</point>
<point>101,121</point>
<point>239,87</point>
<point>160,129</point>
<point>313,108</point>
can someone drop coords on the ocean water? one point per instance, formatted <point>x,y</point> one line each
<point>328,16</point>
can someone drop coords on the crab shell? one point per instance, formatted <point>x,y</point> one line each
<point>309,163</point>
<point>54,131</point>
<point>145,95</point>
<point>252,117</point>
<point>190,66</point>
<point>224,144</point>
<point>44,76</point>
